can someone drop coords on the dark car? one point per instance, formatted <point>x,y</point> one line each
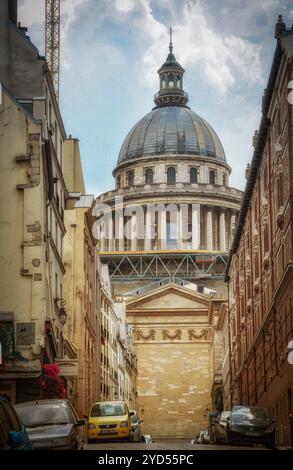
<point>219,428</point>
<point>136,431</point>
<point>13,435</point>
<point>52,424</point>
<point>252,424</point>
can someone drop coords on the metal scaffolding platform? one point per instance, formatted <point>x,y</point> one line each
<point>187,265</point>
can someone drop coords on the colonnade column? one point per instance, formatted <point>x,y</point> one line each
<point>162,228</point>
<point>148,230</point>
<point>179,231</point>
<point>209,228</point>
<point>232,226</point>
<point>134,232</point>
<point>222,231</point>
<point>110,234</point>
<point>119,229</point>
<point>102,237</point>
<point>195,221</point>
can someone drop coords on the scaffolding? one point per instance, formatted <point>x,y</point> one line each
<point>189,266</point>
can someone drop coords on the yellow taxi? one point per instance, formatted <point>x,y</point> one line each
<point>109,420</point>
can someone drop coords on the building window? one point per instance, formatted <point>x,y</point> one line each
<point>224,179</point>
<point>61,153</point>
<point>280,190</point>
<point>130,178</point>
<point>118,182</point>
<point>171,175</point>
<point>193,175</point>
<point>50,114</point>
<point>171,80</point>
<point>212,177</point>
<point>56,286</point>
<point>149,176</point>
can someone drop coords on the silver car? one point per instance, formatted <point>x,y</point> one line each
<point>52,424</point>
<point>136,433</point>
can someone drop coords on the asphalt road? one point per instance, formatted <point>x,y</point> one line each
<point>164,444</point>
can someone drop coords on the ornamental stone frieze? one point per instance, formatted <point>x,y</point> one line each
<point>174,335</point>
<point>191,334</point>
<point>150,335</point>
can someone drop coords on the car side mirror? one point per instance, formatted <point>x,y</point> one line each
<point>15,439</point>
<point>131,413</point>
<point>80,422</point>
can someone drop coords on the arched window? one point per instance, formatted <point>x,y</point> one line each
<point>212,177</point>
<point>224,179</point>
<point>130,178</point>
<point>171,80</point>
<point>118,181</point>
<point>171,175</point>
<point>193,175</point>
<point>178,81</point>
<point>163,81</point>
<point>149,176</point>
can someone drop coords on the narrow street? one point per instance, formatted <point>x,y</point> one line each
<point>164,444</point>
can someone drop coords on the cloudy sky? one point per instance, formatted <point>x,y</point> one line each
<point>111,50</point>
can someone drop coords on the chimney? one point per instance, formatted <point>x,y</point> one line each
<point>12,8</point>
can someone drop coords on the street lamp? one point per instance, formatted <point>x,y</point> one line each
<point>61,312</point>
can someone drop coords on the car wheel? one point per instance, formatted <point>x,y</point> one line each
<point>91,441</point>
<point>270,444</point>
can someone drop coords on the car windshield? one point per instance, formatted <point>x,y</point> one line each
<point>108,409</point>
<point>249,414</point>
<point>42,414</point>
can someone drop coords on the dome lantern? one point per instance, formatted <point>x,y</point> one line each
<point>171,91</point>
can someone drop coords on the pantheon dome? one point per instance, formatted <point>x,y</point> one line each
<point>171,157</point>
<point>171,130</point>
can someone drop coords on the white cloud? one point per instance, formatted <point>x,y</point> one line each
<point>125,6</point>
<point>222,58</point>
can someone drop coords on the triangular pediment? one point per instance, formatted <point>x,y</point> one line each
<point>169,297</point>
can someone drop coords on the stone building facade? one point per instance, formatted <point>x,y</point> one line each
<point>32,183</point>
<point>82,328</point>
<point>178,354</point>
<point>260,267</point>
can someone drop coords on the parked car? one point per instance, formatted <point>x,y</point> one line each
<point>136,431</point>
<point>13,435</point>
<point>252,424</point>
<point>219,428</point>
<point>52,424</point>
<point>109,420</point>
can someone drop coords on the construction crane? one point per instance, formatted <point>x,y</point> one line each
<point>52,41</point>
